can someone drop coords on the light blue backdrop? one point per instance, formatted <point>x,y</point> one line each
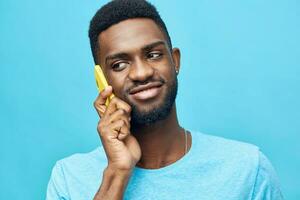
<point>239,79</point>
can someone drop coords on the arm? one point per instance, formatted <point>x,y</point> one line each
<point>266,185</point>
<point>57,188</point>
<point>121,148</point>
<point>113,185</point>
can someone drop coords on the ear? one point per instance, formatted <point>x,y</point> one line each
<point>176,59</point>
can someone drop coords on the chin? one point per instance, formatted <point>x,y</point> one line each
<point>148,112</point>
<point>145,115</point>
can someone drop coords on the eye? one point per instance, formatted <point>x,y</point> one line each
<point>119,66</point>
<point>154,55</point>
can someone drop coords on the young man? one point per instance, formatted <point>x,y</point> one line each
<point>145,153</point>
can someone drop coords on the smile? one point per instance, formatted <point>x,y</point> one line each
<point>147,91</point>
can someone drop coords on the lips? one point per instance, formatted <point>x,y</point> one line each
<point>147,91</point>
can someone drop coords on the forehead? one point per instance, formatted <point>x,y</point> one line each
<point>129,35</point>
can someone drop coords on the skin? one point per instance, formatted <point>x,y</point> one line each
<point>134,51</point>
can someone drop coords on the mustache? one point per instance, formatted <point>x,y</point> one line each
<point>139,83</point>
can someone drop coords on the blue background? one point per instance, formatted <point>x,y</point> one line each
<point>239,79</point>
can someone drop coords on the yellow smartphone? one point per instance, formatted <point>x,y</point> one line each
<point>101,82</point>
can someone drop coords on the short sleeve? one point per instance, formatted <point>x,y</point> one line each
<point>266,185</point>
<point>57,189</point>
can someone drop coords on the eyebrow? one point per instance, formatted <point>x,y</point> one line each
<point>114,56</point>
<point>146,48</point>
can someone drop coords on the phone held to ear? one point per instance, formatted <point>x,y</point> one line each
<point>101,82</point>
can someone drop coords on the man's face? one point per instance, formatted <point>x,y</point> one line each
<point>140,67</point>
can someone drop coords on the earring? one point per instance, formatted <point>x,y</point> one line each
<point>176,71</point>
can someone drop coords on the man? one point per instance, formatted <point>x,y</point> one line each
<point>145,153</point>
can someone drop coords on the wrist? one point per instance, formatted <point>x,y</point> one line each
<point>114,183</point>
<point>114,172</point>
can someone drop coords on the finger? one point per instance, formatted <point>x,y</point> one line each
<point>110,131</point>
<point>99,103</point>
<point>120,114</point>
<point>124,132</point>
<point>104,95</point>
<point>116,104</point>
<point>119,128</point>
<point>100,110</point>
<point>124,106</point>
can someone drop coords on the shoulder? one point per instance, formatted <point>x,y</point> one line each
<point>243,161</point>
<point>226,149</point>
<point>267,184</point>
<point>79,159</point>
<point>82,163</point>
<point>234,159</point>
<point>78,168</point>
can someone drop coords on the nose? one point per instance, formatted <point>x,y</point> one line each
<point>140,71</point>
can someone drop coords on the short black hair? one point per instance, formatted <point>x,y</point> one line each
<point>119,10</point>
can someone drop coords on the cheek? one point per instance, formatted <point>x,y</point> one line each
<point>117,83</point>
<point>166,71</point>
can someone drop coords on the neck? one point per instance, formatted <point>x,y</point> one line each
<point>162,143</point>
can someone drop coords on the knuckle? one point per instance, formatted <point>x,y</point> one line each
<point>128,125</point>
<point>101,127</point>
<point>102,94</point>
<point>126,132</point>
<point>122,123</point>
<point>114,100</point>
<point>121,111</point>
<point>103,133</point>
<point>102,110</point>
<point>128,109</point>
<point>95,104</point>
<point>125,119</point>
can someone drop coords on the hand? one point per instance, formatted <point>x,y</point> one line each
<point>121,148</point>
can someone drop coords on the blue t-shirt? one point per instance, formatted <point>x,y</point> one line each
<point>214,169</point>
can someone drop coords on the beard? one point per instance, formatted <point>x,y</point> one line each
<point>145,118</point>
